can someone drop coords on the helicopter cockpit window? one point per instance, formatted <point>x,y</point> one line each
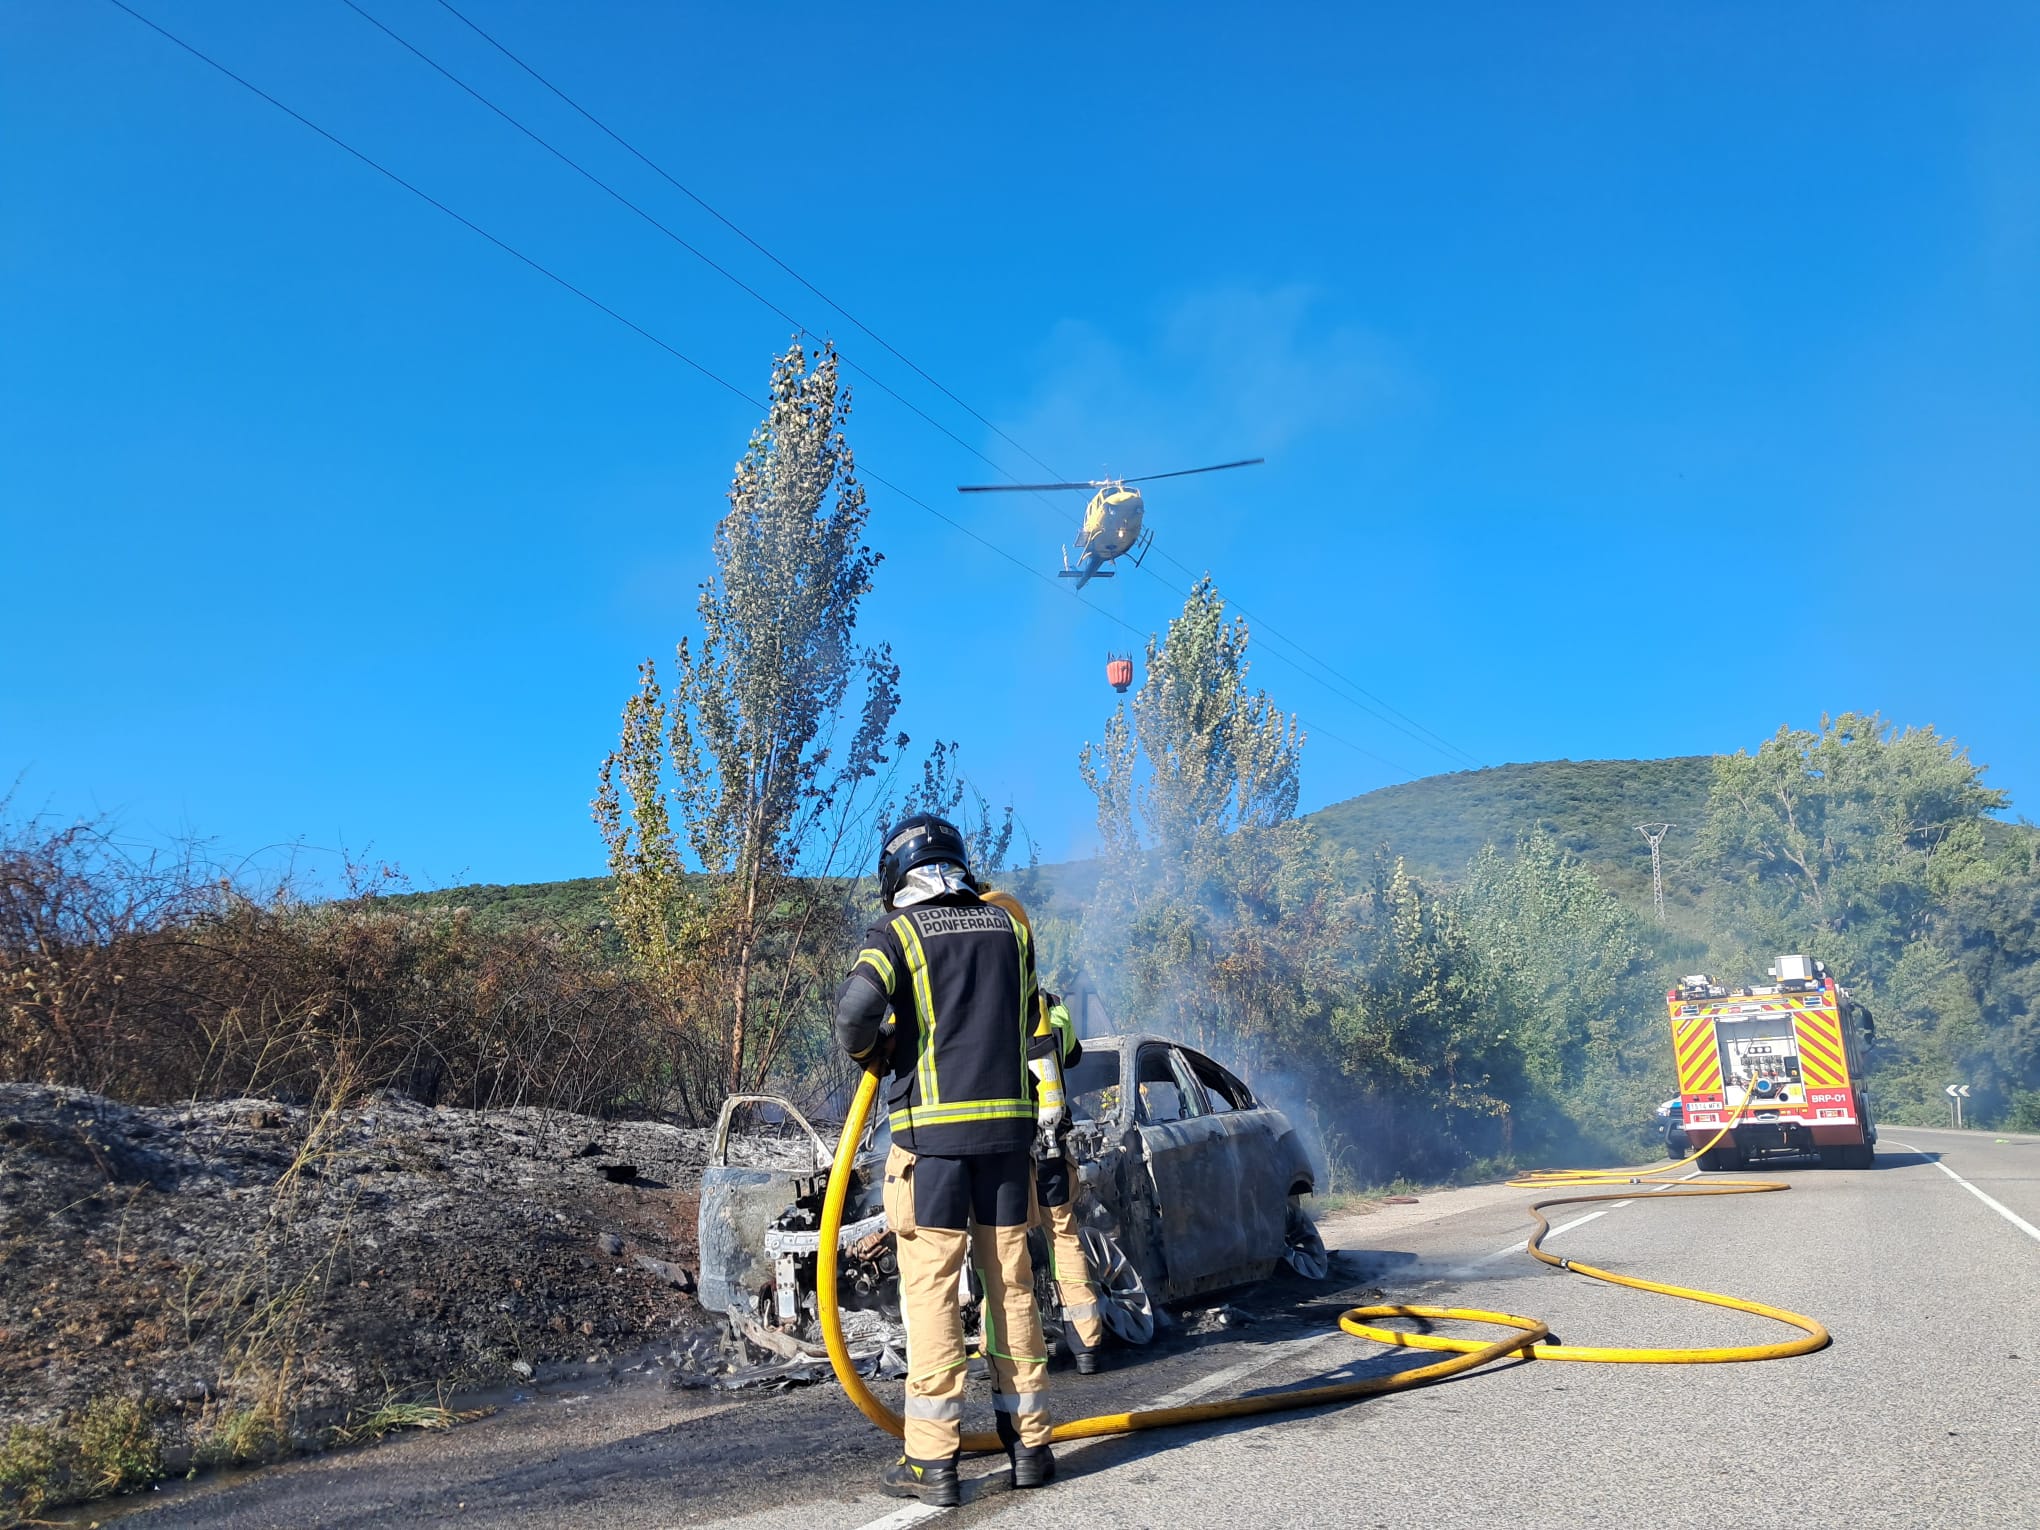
<point>1092,1087</point>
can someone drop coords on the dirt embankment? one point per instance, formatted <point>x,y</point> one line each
<point>254,1272</point>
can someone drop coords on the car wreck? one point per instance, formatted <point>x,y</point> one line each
<point>1187,1185</point>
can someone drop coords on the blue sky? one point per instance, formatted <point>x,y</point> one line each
<point>1633,379</point>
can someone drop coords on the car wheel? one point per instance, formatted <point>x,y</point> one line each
<point>1122,1294</point>
<point>1305,1251</point>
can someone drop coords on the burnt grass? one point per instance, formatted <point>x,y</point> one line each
<point>255,1258</point>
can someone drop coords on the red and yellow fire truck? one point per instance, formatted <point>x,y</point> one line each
<point>1779,1064</point>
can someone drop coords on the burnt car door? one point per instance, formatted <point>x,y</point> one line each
<point>1263,1152</point>
<point>1210,1168</point>
<point>740,1201</point>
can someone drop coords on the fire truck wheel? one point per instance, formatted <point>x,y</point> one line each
<point>1720,1160</point>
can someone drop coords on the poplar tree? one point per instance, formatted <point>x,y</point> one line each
<point>743,757</point>
<point>1211,907</point>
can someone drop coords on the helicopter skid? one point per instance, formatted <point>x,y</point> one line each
<point>1085,573</point>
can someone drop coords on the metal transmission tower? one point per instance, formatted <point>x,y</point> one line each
<point>1655,834</point>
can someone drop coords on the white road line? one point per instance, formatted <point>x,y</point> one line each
<point>900,1519</point>
<point>1217,1381</point>
<point>1565,1227</point>
<point>1999,1207</point>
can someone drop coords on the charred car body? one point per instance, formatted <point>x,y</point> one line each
<point>1186,1185</point>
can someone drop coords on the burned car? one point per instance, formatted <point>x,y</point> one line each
<point>1186,1185</point>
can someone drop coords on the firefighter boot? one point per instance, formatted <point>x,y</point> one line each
<point>1033,1465</point>
<point>930,1481</point>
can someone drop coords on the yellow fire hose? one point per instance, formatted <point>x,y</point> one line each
<point>1526,1338</point>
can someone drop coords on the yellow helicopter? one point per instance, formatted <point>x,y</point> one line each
<point>1112,520</point>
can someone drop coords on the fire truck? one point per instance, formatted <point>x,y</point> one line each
<point>1780,1064</point>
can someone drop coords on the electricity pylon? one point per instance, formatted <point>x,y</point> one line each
<point>1655,834</point>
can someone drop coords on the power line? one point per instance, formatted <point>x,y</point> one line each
<point>1380,710</point>
<point>660,171</point>
<point>723,271</point>
<point>1428,738</point>
<point>1029,568</point>
<point>1388,714</point>
<point>383,170</point>
<point>642,332</point>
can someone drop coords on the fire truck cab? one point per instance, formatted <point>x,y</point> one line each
<point>1781,1065</point>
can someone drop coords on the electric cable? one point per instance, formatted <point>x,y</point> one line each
<point>1527,1339</point>
<point>804,330</point>
<point>1379,709</point>
<point>659,170</point>
<point>1435,740</point>
<point>667,347</point>
<point>1111,616</point>
<point>425,196</point>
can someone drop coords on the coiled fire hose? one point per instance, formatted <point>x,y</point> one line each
<point>1526,1337</point>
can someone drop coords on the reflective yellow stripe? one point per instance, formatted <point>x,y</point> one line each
<point>924,1004</point>
<point>879,963</point>
<point>966,1110</point>
<point>1028,999</point>
<point>1065,1031</point>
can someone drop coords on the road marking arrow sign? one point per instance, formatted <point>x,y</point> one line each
<point>1958,1091</point>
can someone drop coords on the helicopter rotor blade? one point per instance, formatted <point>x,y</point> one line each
<point>1020,488</point>
<point>1216,467</point>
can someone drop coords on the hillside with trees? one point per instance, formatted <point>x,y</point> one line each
<point>1441,973</point>
<point>1591,808</point>
<point>1437,824</point>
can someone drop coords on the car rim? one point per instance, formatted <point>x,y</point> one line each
<point>1123,1296</point>
<point>1306,1251</point>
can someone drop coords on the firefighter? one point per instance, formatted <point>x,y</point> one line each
<point>955,975</point>
<point>1055,1174</point>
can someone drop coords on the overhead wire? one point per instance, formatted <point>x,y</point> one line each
<point>425,196</point>
<point>638,329</point>
<point>699,254</point>
<point>1373,705</point>
<point>1435,740</point>
<point>659,170</point>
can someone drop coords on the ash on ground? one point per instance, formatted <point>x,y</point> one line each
<point>207,1257</point>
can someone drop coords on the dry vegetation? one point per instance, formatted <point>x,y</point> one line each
<point>152,980</point>
<point>232,1221</point>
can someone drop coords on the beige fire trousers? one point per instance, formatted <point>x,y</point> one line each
<point>1083,1325</point>
<point>920,1193</point>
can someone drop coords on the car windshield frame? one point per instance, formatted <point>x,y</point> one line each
<point>1074,1085</point>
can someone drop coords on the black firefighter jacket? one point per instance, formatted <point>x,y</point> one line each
<point>958,976</point>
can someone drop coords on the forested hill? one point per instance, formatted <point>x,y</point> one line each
<point>1592,807</point>
<point>1437,824</point>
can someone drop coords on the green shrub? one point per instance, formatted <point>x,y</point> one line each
<point>113,1446</point>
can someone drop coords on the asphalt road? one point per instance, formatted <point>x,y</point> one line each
<point>1924,1412</point>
